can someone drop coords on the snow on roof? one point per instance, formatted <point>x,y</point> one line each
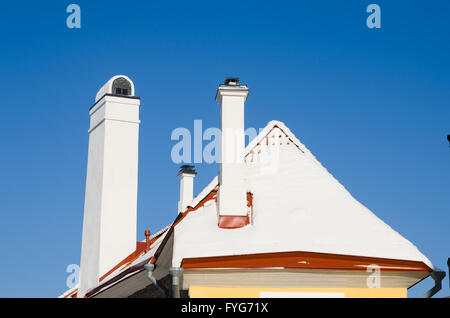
<point>205,192</point>
<point>298,206</point>
<point>136,258</point>
<point>144,257</point>
<point>70,292</point>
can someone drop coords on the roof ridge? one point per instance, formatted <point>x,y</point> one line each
<point>282,126</point>
<point>252,144</point>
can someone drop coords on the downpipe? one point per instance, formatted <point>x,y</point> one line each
<point>175,272</point>
<point>150,268</point>
<point>438,275</point>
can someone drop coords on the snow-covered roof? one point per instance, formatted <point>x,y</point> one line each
<point>126,268</point>
<point>297,206</point>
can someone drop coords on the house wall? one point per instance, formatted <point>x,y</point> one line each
<point>262,292</point>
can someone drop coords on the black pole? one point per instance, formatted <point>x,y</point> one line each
<point>448,264</point>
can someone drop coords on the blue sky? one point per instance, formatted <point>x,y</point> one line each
<point>371,104</point>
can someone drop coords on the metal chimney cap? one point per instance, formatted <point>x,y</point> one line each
<point>232,81</point>
<point>189,169</point>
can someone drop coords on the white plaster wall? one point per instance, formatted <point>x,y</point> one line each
<point>110,217</point>
<point>90,248</point>
<point>186,191</point>
<point>232,196</point>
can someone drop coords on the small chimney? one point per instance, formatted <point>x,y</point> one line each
<point>186,175</point>
<point>147,240</point>
<point>232,195</point>
<point>110,217</point>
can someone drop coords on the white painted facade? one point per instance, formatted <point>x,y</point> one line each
<point>110,216</point>
<point>232,196</point>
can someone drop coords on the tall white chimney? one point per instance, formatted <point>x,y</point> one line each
<point>232,195</point>
<point>110,217</point>
<point>186,175</point>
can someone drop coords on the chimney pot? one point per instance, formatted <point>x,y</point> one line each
<point>233,81</point>
<point>187,169</point>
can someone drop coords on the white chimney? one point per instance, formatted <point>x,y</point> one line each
<point>232,195</point>
<point>186,175</point>
<point>110,218</point>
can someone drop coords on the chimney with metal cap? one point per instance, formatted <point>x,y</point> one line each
<point>232,194</point>
<point>110,208</point>
<point>186,175</point>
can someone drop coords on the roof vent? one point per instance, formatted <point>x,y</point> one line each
<point>147,240</point>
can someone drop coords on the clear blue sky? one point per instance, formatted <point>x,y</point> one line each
<point>372,105</point>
